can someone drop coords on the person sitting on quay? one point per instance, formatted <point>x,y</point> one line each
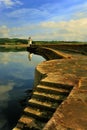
<point>29,41</point>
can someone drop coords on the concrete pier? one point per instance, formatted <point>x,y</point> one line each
<point>59,97</point>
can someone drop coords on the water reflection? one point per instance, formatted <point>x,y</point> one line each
<point>4,98</point>
<point>16,76</point>
<point>30,56</point>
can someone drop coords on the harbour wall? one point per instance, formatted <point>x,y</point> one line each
<point>59,97</point>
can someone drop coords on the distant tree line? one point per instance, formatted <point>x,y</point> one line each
<point>17,41</point>
<point>12,41</point>
<point>58,42</point>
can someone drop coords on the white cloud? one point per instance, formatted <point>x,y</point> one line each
<point>28,14</point>
<point>4,89</point>
<point>72,30</point>
<point>4,31</point>
<point>10,3</point>
<point>5,57</point>
<point>19,57</point>
<point>80,15</point>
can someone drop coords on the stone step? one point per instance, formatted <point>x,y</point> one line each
<point>24,120</point>
<point>52,90</point>
<point>16,129</point>
<point>27,123</point>
<point>37,114</point>
<point>32,110</point>
<point>40,113</point>
<point>43,105</point>
<point>56,85</point>
<point>51,96</point>
<point>43,98</point>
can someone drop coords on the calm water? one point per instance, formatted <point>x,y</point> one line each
<point>16,76</point>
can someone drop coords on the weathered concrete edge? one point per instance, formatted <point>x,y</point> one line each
<point>57,122</point>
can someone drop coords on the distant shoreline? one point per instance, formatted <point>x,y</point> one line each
<point>12,46</point>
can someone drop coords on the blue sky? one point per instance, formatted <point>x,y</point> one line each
<point>44,20</point>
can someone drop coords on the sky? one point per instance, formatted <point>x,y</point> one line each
<point>62,20</point>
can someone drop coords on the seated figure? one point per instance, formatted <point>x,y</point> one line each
<point>29,41</point>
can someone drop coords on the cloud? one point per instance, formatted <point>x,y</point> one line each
<point>19,57</point>
<point>49,22</point>
<point>4,89</point>
<point>5,58</point>
<point>10,3</point>
<point>79,15</point>
<point>4,98</point>
<point>4,31</point>
<point>28,14</point>
<point>64,10</point>
<point>73,30</point>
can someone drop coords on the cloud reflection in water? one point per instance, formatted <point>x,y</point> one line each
<point>16,76</point>
<point>4,98</point>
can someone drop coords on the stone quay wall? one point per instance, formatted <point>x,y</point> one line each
<point>59,97</point>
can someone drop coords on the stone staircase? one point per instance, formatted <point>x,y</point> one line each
<point>46,97</point>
